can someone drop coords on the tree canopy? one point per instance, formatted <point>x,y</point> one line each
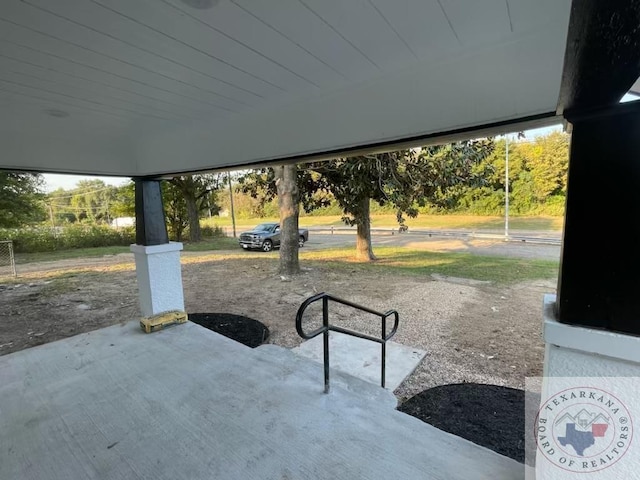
<point>405,180</point>
<point>193,194</point>
<point>537,178</point>
<point>20,199</point>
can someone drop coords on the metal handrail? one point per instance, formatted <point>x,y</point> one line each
<point>327,327</point>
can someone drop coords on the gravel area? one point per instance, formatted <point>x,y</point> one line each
<point>472,331</point>
<point>476,333</point>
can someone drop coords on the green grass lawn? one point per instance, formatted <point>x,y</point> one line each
<point>406,261</point>
<point>444,222</point>
<point>394,260</point>
<point>210,244</point>
<point>217,243</point>
<point>501,270</point>
<point>22,258</point>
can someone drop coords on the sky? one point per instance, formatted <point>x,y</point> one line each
<point>55,181</point>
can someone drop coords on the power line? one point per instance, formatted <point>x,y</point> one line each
<point>77,208</point>
<point>82,193</point>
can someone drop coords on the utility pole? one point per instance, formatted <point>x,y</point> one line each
<point>233,213</point>
<point>53,223</point>
<point>506,190</point>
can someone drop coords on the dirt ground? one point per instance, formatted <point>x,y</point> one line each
<point>472,331</point>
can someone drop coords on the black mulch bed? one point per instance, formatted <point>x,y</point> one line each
<point>242,329</point>
<point>488,415</point>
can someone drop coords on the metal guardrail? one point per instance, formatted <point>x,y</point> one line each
<point>327,327</point>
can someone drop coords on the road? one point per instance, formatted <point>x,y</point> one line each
<point>448,243</point>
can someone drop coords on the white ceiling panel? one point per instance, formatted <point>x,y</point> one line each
<point>153,87</point>
<point>138,71</point>
<point>422,24</point>
<point>103,78</point>
<point>362,25</point>
<point>478,21</point>
<point>43,82</point>
<point>22,114</point>
<point>530,16</point>
<point>240,65</point>
<point>266,41</point>
<point>306,29</point>
<point>129,49</point>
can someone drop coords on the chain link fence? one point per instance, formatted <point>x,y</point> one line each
<point>7,259</point>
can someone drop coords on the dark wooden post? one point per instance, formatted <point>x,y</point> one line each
<point>599,283</point>
<point>151,228</point>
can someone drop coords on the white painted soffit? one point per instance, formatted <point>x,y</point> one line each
<point>115,87</point>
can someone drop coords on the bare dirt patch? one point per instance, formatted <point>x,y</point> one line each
<point>480,333</point>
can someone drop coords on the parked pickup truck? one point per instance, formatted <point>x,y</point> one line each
<point>266,237</point>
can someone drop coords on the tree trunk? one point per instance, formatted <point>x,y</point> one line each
<point>195,235</point>
<point>288,204</point>
<point>364,249</point>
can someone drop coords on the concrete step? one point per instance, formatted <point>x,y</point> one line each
<point>362,358</point>
<point>286,359</point>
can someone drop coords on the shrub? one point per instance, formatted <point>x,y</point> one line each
<point>332,209</point>
<point>553,206</point>
<point>214,231</point>
<point>26,240</point>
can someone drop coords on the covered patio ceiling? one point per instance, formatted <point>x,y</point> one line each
<point>153,87</point>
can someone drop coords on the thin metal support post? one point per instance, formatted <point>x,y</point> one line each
<point>12,258</point>
<point>325,338</point>
<point>506,189</point>
<point>384,354</point>
<point>383,359</point>
<point>233,212</point>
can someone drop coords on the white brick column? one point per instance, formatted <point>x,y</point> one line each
<point>159,277</point>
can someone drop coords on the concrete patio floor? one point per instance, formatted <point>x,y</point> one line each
<point>187,403</point>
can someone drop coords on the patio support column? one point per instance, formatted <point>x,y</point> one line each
<point>599,283</point>
<point>157,259</point>
<point>592,328</point>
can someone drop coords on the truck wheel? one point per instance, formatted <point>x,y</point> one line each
<point>300,241</point>
<point>267,246</point>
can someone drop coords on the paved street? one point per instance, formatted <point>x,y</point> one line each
<point>480,246</point>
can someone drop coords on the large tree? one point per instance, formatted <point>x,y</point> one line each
<point>294,187</point>
<point>175,210</point>
<point>20,199</point>
<point>406,180</point>
<point>92,200</point>
<point>289,208</point>
<point>124,201</point>
<point>198,192</point>
<point>547,158</point>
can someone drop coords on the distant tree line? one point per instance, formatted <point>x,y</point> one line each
<point>186,198</point>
